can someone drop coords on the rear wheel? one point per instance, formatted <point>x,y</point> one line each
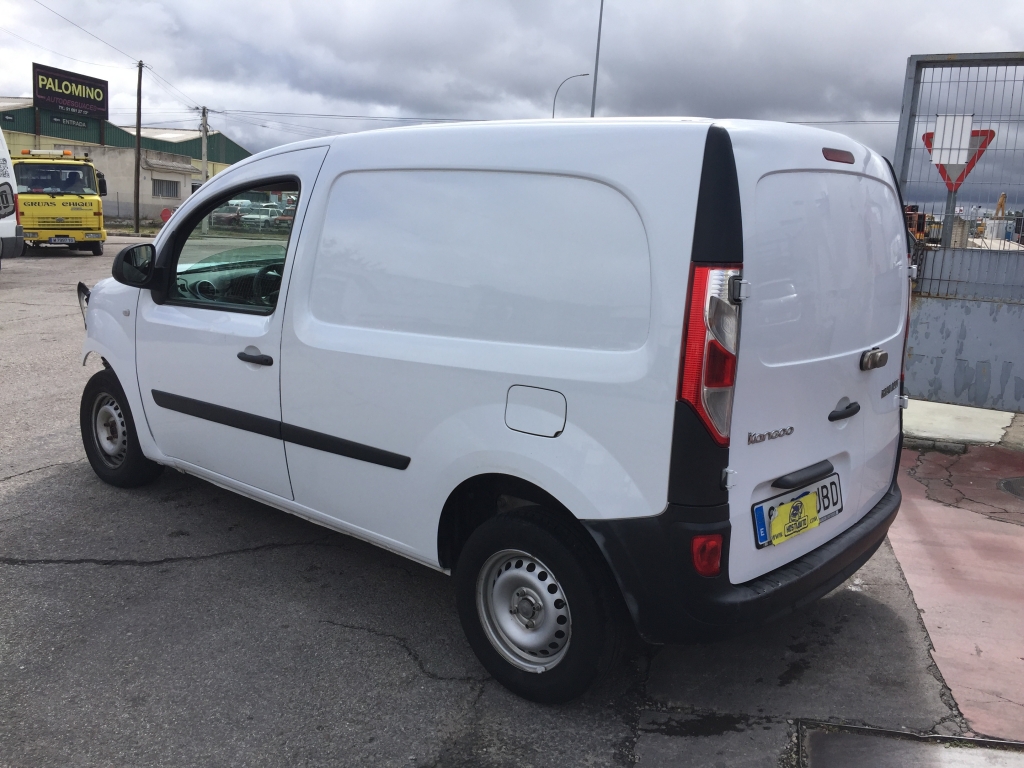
<point>537,605</point>
<point>109,436</point>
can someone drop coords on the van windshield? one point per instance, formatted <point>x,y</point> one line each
<point>55,179</point>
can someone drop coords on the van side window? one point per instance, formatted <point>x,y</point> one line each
<point>521,258</point>
<point>234,257</point>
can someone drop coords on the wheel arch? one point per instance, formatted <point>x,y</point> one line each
<point>481,497</point>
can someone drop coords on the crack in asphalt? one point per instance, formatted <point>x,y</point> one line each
<point>402,643</point>
<point>17,561</point>
<point>40,469</point>
<point>946,480</point>
<point>996,695</point>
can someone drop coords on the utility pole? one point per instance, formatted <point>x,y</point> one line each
<point>597,59</point>
<point>206,169</point>
<point>138,144</point>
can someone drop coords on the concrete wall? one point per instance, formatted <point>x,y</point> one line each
<point>967,352</point>
<point>118,166</point>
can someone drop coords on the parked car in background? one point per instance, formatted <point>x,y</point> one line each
<point>603,372</point>
<point>285,219</point>
<point>227,216</point>
<point>258,218</point>
<point>241,203</point>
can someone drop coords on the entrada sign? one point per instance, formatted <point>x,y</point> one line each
<point>68,92</point>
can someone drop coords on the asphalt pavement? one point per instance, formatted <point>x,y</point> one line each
<point>180,624</point>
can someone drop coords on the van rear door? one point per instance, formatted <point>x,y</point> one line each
<point>826,259</point>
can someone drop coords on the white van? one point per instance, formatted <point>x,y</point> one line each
<point>11,240</point>
<point>599,370</point>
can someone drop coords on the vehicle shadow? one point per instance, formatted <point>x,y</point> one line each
<point>858,655</point>
<point>180,623</point>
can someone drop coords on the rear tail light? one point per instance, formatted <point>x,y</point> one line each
<point>17,210</point>
<point>707,554</point>
<point>710,347</point>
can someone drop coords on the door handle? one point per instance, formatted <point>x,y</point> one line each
<point>844,413</point>
<point>805,476</point>
<point>245,357</point>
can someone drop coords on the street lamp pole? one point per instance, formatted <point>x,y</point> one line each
<point>554,100</point>
<point>597,59</point>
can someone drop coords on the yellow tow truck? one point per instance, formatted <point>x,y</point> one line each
<point>59,199</point>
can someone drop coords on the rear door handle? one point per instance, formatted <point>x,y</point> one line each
<point>805,476</point>
<point>245,357</point>
<point>844,413</point>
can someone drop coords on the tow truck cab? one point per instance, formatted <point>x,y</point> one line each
<point>59,199</point>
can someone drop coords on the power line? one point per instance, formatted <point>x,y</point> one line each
<point>307,133</point>
<point>64,55</point>
<point>159,82</point>
<point>164,123</point>
<point>69,21</point>
<point>188,100</point>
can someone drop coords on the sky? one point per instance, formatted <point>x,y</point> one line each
<point>794,60</point>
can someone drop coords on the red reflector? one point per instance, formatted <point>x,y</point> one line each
<point>838,155</point>
<point>720,366</point>
<point>707,554</point>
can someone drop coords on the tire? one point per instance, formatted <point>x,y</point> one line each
<point>96,248</point>
<point>114,453</point>
<point>516,562</point>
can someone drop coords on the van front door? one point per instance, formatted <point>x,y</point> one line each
<point>209,356</point>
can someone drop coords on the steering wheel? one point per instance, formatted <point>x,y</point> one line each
<point>266,284</point>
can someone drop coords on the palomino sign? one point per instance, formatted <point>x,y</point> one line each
<point>68,92</point>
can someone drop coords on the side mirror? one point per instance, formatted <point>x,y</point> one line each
<point>101,183</point>
<point>134,265</point>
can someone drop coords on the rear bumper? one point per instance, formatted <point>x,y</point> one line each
<point>671,603</point>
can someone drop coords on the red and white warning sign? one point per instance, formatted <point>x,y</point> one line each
<point>956,146</point>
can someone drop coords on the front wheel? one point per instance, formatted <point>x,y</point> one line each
<point>109,436</point>
<point>538,605</point>
<point>96,248</point>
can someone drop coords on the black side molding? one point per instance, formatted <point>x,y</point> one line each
<point>229,417</point>
<point>261,425</point>
<point>330,444</point>
<point>805,476</point>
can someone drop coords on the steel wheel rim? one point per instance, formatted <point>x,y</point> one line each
<point>523,610</point>
<point>109,430</point>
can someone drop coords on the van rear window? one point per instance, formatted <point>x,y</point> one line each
<point>511,257</point>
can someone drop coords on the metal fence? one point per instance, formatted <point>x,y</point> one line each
<point>960,161</point>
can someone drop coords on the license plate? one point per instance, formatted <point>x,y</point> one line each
<point>62,240</point>
<point>782,517</point>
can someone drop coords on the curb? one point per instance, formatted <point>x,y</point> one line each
<point>943,446</point>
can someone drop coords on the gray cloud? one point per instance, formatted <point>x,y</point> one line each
<point>773,59</point>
